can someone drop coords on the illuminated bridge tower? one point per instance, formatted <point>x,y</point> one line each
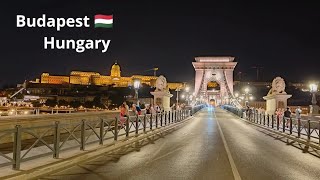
<point>214,78</point>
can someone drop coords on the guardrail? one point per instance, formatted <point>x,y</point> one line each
<point>58,137</point>
<point>301,128</point>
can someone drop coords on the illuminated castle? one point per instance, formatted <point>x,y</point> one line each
<point>94,78</point>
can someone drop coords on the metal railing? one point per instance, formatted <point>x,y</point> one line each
<point>33,142</point>
<point>301,128</point>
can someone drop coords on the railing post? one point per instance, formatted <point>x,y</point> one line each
<point>272,122</point>
<point>299,127</point>
<point>161,119</point>
<point>290,125</point>
<point>116,123</point>
<point>101,131</point>
<point>151,121</point>
<point>278,119</point>
<point>165,118</point>
<point>172,117</point>
<point>309,130</point>
<point>144,123</point>
<point>17,148</point>
<point>319,132</point>
<point>283,124</point>
<point>268,120</point>
<point>127,126</point>
<point>175,115</point>
<point>264,119</point>
<point>157,114</point>
<point>82,135</point>
<point>169,117</point>
<point>137,124</point>
<point>56,143</point>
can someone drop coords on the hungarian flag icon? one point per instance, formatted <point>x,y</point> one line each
<point>103,21</point>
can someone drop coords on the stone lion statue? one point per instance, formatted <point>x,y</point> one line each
<point>161,83</point>
<point>278,86</point>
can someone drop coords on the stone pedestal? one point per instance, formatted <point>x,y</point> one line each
<point>276,101</point>
<point>314,110</point>
<point>162,99</point>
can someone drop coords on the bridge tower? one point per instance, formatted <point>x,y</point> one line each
<point>214,78</point>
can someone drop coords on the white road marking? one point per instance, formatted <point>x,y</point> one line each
<point>234,169</point>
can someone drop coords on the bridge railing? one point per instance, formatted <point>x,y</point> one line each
<point>302,128</point>
<point>30,143</point>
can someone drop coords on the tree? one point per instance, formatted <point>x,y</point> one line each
<point>75,104</point>
<point>63,102</point>
<point>51,103</point>
<point>36,104</point>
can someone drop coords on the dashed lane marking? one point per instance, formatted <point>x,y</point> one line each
<point>234,169</point>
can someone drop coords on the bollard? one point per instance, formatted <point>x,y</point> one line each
<point>144,123</point>
<point>17,148</point>
<point>283,124</point>
<point>309,130</point>
<point>127,126</point>
<point>116,129</point>
<point>101,132</point>
<point>151,122</point>
<point>299,125</point>
<point>56,142</point>
<point>290,125</point>
<point>82,135</point>
<point>137,124</point>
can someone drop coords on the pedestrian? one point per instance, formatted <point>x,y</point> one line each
<point>287,116</point>
<point>148,109</point>
<point>298,113</point>
<point>138,109</point>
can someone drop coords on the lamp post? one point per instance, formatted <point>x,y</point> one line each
<point>246,91</point>
<point>187,91</point>
<point>313,90</point>
<point>136,86</point>
<point>314,108</point>
<point>178,90</point>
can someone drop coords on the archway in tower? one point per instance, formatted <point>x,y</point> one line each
<point>213,93</point>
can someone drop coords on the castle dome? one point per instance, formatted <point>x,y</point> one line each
<point>115,70</point>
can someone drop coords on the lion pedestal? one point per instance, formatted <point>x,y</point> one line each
<point>161,94</point>
<point>277,97</point>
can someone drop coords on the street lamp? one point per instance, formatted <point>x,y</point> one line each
<point>314,90</point>
<point>177,90</point>
<point>136,86</point>
<point>246,90</point>
<point>187,89</point>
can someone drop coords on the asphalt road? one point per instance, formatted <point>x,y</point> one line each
<point>200,150</point>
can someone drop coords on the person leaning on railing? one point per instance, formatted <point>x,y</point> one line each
<point>298,113</point>
<point>287,116</point>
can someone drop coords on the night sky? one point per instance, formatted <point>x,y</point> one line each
<point>281,36</point>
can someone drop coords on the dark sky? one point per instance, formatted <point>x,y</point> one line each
<point>281,36</point>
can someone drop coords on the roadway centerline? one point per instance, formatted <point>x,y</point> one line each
<point>234,169</point>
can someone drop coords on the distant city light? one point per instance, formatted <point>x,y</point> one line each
<point>313,87</point>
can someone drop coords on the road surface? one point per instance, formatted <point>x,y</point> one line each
<point>213,145</point>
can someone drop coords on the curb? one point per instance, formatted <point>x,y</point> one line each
<point>291,137</point>
<point>91,154</point>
